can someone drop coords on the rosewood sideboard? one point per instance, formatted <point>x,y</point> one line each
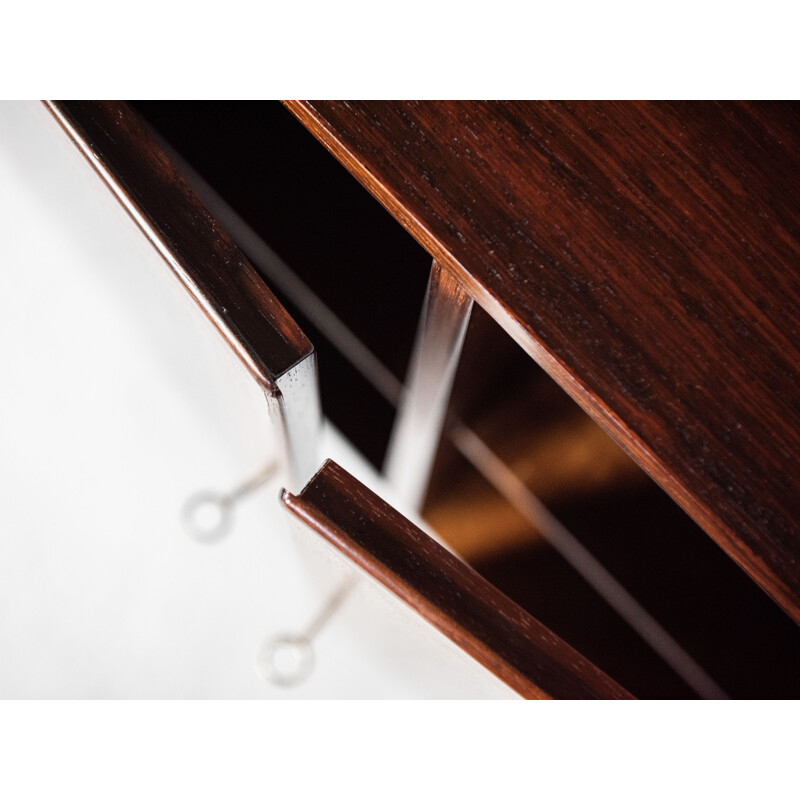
<point>641,256</point>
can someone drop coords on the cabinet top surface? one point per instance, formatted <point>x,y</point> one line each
<point>646,255</point>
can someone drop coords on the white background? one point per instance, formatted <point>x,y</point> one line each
<point>118,401</point>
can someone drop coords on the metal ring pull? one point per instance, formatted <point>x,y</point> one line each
<point>207,516</point>
<point>285,660</point>
<point>288,659</point>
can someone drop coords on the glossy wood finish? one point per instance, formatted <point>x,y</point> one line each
<point>445,591</point>
<point>646,255</point>
<point>202,255</point>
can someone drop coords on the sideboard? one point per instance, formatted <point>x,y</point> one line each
<point>641,255</point>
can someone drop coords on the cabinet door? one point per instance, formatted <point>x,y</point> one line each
<point>214,271</point>
<point>444,592</point>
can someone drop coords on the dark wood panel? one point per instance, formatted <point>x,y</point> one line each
<point>201,254</point>
<point>445,591</point>
<point>646,254</point>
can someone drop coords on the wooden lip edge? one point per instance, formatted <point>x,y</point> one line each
<point>474,648</point>
<point>211,307</point>
<point>699,510</point>
<point>431,613</point>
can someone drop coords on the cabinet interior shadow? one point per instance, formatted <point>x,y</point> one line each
<point>326,227</point>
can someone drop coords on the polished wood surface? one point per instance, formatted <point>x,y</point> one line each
<point>445,591</point>
<point>645,254</point>
<point>202,255</point>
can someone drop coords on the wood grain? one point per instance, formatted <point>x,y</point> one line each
<point>201,254</point>
<point>445,591</point>
<point>646,255</point>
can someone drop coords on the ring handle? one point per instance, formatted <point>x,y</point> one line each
<point>285,660</point>
<point>207,517</point>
